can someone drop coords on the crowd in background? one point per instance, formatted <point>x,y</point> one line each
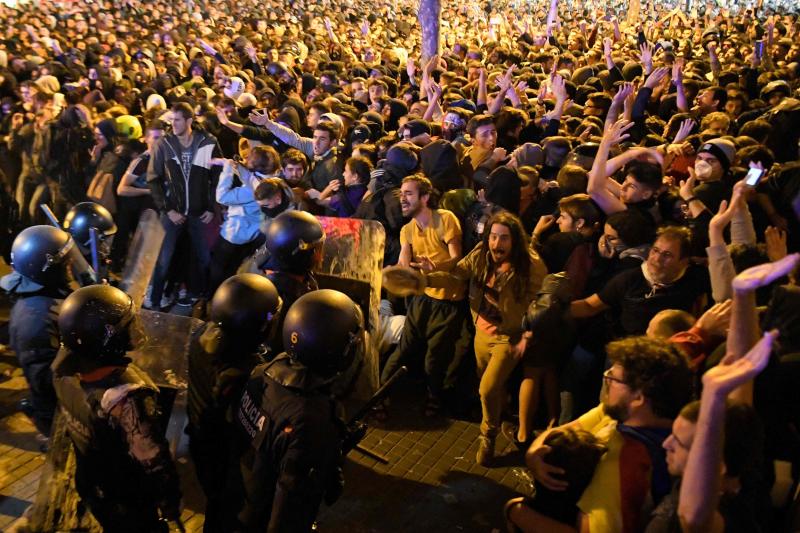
<point>636,168</point>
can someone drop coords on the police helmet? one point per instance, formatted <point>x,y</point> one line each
<point>42,254</point>
<point>245,304</point>
<point>85,216</point>
<point>323,330</point>
<point>96,320</point>
<point>294,238</point>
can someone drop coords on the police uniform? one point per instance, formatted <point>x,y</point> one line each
<point>221,359</point>
<point>124,471</point>
<point>292,454</point>
<point>289,423</point>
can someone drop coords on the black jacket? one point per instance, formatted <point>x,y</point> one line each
<point>172,190</point>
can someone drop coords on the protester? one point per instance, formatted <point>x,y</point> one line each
<point>651,135</point>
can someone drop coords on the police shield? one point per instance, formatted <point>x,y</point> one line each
<point>142,256</point>
<point>162,350</point>
<point>352,259</point>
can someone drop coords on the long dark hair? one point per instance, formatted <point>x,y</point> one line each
<point>519,257</point>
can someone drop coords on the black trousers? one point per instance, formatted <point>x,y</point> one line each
<point>432,329</point>
<point>226,258</point>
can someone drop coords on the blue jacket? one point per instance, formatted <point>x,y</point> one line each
<point>241,224</point>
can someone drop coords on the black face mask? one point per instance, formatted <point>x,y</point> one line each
<point>272,212</point>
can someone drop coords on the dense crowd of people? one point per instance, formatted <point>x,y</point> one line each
<point>579,201</point>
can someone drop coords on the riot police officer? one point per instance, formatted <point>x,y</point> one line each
<point>79,222</point>
<point>41,258</point>
<point>124,471</point>
<point>220,361</point>
<point>288,419</point>
<point>292,249</point>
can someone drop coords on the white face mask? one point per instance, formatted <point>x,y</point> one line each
<point>702,169</point>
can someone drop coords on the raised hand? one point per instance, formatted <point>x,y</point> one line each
<point>730,374</point>
<point>677,71</point>
<point>616,132</point>
<point>222,116</point>
<point>687,186</point>
<point>762,275</point>
<point>684,130</point>
<point>716,320</point>
<point>559,88</point>
<point>607,42</point>
<point>646,56</point>
<point>776,243</point>
<point>655,77</point>
<point>625,90</point>
<point>411,68</point>
<point>259,118</point>
<point>544,223</point>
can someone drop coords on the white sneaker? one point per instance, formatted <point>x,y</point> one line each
<point>167,300</point>
<point>147,302</point>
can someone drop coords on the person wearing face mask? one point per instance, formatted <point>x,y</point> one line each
<point>666,280</point>
<point>626,239</point>
<point>240,233</point>
<point>707,179</point>
<point>454,125</point>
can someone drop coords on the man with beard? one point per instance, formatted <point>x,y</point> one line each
<point>430,241</point>
<point>647,384</point>
<point>665,280</point>
<point>504,275</point>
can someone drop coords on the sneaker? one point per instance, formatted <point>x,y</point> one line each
<point>167,300</point>
<point>485,454</point>
<point>147,303</point>
<point>187,301</point>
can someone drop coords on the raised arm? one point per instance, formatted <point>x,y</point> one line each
<point>598,186</point>
<point>702,479</point>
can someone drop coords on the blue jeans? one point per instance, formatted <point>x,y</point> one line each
<point>200,251</point>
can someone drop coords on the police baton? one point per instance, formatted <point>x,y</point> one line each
<point>357,429</point>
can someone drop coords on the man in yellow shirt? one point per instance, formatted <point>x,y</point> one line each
<point>430,241</point>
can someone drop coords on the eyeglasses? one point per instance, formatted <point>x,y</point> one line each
<point>609,378</point>
<point>666,255</point>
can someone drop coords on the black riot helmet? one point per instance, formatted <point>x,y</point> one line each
<point>85,216</point>
<point>245,304</point>
<point>294,238</point>
<point>323,331</point>
<point>96,322</point>
<point>44,253</point>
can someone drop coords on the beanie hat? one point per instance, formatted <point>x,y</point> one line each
<point>723,149</point>
<point>246,100</point>
<point>439,162</point>
<point>48,84</point>
<point>155,101</point>
<point>360,134</point>
<point>334,119</point>
<point>401,157</point>
<point>234,88</point>
<point>503,188</point>
<point>417,127</point>
<point>108,128</point>
<point>528,154</point>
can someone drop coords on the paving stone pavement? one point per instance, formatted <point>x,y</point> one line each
<point>430,484</point>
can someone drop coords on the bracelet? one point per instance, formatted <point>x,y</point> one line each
<point>690,200</point>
